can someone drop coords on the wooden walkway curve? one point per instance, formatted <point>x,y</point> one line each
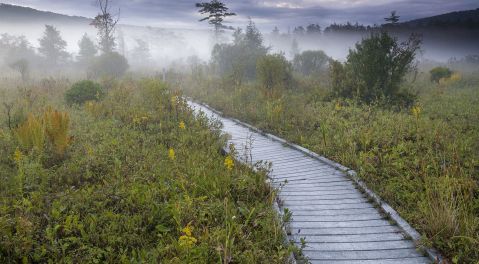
<point>339,222</point>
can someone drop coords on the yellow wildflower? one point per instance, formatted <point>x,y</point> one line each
<point>136,120</point>
<point>171,154</point>
<point>229,163</point>
<point>188,229</point>
<point>17,156</point>
<point>182,125</point>
<point>416,111</point>
<point>174,100</point>
<point>89,151</point>
<point>187,239</point>
<point>337,106</point>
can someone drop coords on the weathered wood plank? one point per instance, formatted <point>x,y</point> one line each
<point>286,202</point>
<point>344,231</point>
<point>313,196</point>
<point>338,224</point>
<point>351,246</point>
<point>335,218</point>
<point>325,212</point>
<point>363,254</point>
<point>352,238</point>
<point>413,260</point>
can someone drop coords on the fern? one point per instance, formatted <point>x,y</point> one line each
<point>52,127</point>
<point>31,134</point>
<point>57,125</point>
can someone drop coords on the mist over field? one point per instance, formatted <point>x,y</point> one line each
<point>169,46</point>
<point>302,131</point>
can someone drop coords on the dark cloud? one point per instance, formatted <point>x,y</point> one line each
<point>266,13</point>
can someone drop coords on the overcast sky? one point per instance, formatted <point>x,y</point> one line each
<point>266,13</point>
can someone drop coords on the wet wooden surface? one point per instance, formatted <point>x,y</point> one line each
<point>339,224</point>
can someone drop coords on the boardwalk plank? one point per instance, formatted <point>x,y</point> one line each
<point>394,236</point>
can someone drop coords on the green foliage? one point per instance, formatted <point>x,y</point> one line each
<point>274,72</point>
<point>438,73</point>
<point>375,70</point>
<point>238,60</point>
<point>117,197</point>
<point>84,91</point>
<point>108,65</point>
<point>311,62</point>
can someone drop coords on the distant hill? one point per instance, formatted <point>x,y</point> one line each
<point>19,14</point>
<point>468,19</point>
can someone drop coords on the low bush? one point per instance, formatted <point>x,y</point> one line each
<point>274,72</point>
<point>375,69</point>
<point>108,65</point>
<point>84,91</point>
<point>439,73</point>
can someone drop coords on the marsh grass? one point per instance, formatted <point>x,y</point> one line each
<point>118,195</point>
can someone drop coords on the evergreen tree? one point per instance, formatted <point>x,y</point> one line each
<point>313,29</point>
<point>52,46</point>
<point>216,12</point>
<point>393,18</point>
<point>87,51</point>
<point>294,49</point>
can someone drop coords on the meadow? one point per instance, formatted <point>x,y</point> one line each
<point>423,159</point>
<point>130,176</point>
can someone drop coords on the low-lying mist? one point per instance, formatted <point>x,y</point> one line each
<point>155,49</point>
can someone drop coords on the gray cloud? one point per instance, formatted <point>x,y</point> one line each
<point>266,13</point>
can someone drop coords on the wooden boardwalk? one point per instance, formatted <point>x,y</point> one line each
<point>339,223</point>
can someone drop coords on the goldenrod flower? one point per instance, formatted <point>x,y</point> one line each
<point>337,106</point>
<point>416,111</point>
<point>171,154</point>
<point>188,229</point>
<point>182,125</point>
<point>187,239</point>
<point>89,151</point>
<point>17,156</point>
<point>229,163</point>
<point>174,100</point>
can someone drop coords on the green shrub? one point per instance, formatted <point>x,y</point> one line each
<point>111,65</point>
<point>274,72</point>
<point>311,62</point>
<point>439,73</point>
<point>84,91</point>
<point>376,69</point>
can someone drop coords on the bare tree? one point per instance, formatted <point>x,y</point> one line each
<point>105,22</point>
